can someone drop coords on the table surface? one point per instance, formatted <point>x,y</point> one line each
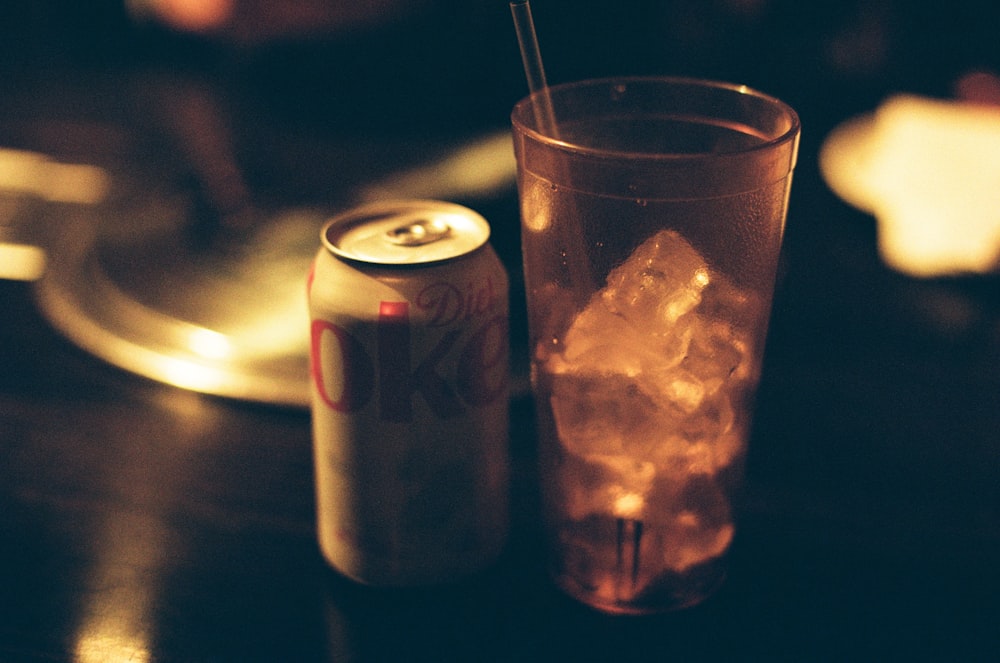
<point>140,522</point>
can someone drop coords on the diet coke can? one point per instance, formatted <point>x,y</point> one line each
<point>409,362</point>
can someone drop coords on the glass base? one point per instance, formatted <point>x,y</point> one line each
<point>670,592</point>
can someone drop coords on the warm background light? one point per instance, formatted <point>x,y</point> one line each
<point>929,171</point>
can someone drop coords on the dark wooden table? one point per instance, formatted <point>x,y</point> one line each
<point>139,522</point>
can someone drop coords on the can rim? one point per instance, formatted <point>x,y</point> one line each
<point>467,232</point>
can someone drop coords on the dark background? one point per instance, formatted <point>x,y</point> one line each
<point>871,524</point>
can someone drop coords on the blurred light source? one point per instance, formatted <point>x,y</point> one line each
<point>483,168</point>
<point>209,344</point>
<point>20,262</point>
<point>227,321</point>
<point>32,173</point>
<point>26,177</point>
<point>929,171</point>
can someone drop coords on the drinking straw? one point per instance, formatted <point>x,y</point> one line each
<point>576,255</point>
<point>531,58</point>
<point>577,259</point>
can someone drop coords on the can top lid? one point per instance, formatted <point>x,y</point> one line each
<point>405,232</point>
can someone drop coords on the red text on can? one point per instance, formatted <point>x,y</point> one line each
<point>394,378</point>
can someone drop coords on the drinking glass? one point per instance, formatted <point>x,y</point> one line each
<point>652,214</point>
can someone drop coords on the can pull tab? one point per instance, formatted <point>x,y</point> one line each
<point>419,232</point>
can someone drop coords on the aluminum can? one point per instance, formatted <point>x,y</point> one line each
<point>409,371</point>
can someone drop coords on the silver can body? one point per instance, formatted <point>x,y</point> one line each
<point>409,370</point>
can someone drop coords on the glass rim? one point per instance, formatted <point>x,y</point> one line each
<point>523,106</point>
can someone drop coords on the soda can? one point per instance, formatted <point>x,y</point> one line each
<point>409,358</point>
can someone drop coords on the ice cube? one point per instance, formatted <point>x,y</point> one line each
<point>718,354</point>
<point>596,412</point>
<point>694,521</point>
<point>606,484</point>
<point>726,449</point>
<point>661,281</point>
<point>638,322</point>
<point>599,340</point>
<point>670,453</point>
<point>677,388</point>
<point>696,544</point>
<point>713,419</point>
<point>702,442</point>
<point>724,300</point>
<point>703,524</point>
<point>643,383</point>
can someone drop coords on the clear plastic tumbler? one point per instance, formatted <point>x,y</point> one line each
<point>652,215</point>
